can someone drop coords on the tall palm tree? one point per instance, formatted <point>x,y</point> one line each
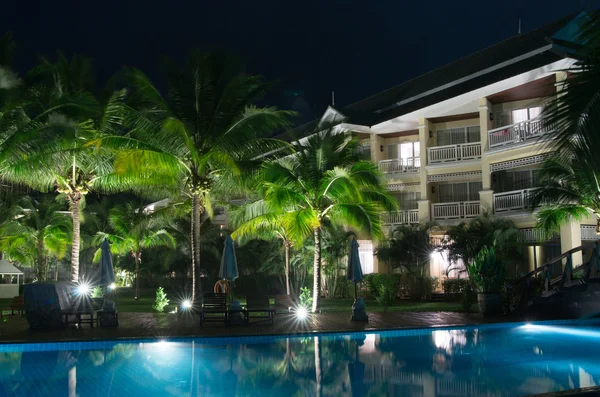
<point>135,230</point>
<point>38,231</point>
<point>203,136</point>
<point>569,178</point>
<point>324,182</point>
<point>47,134</point>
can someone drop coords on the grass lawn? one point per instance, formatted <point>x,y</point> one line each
<point>125,302</point>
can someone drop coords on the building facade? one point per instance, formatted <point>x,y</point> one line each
<point>467,138</point>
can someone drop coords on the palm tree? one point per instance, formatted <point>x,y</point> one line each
<point>47,134</point>
<point>465,240</point>
<point>323,182</point>
<point>569,178</point>
<point>203,136</point>
<point>408,247</point>
<point>38,231</point>
<point>135,230</point>
<point>252,221</point>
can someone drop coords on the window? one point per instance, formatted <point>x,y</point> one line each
<point>408,200</point>
<point>406,151</point>
<point>517,115</point>
<point>463,191</point>
<point>455,136</point>
<point>507,181</point>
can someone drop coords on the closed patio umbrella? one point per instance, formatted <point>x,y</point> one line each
<point>228,270</point>
<point>354,272</point>
<point>107,273</point>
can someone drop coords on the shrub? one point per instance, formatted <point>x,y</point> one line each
<point>386,291</point>
<point>97,292</point>
<point>454,287</point>
<point>421,287</point>
<point>161,300</point>
<point>375,281</point>
<point>306,299</point>
<point>487,271</point>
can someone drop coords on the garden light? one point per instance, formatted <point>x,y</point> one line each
<point>112,286</point>
<point>186,304</point>
<point>301,313</point>
<point>83,289</point>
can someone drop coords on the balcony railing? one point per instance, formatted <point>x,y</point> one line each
<point>400,217</point>
<point>588,232</point>
<point>407,165</point>
<point>463,151</point>
<point>456,210</point>
<point>518,132</point>
<point>516,200</point>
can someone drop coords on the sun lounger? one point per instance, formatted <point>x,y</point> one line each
<point>258,307</point>
<point>17,306</point>
<point>214,308</point>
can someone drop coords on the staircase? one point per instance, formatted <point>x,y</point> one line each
<point>574,294</point>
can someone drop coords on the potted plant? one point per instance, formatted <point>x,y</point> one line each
<point>487,274</point>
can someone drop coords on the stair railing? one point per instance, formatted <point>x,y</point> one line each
<point>526,282</point>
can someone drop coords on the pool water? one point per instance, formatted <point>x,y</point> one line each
<point>498,360</point>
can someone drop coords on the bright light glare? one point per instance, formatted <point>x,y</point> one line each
<point>186,304</point>
<point>83,289</point>
<point>301,313</point>
<point>564,329</point>
<point>112,286</point>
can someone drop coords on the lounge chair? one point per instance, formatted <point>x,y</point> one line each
<point>215,304</point>
<point>17,305</point>
<point>258,307</point>
<point>284,304</point>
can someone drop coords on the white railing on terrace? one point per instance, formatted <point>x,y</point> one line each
<point>400,217</point>
<point>463,151</point>
<point>515,200</point>
<point>456,210</point>
<point>408,165</point>
<point>518,132</point>
<point>588,232</point>
<point>532,235</point>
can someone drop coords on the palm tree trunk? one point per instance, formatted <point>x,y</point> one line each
<point>196,211</point>
<point>74,201</point>
<point>137,260</point>
<point>40,255</point>
<point>56,271</point>
<point>288,287</point>
<point>317,271</point>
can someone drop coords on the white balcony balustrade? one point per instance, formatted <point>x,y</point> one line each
<point>518,132</point>
<point>455,210</point>
<point>448,153</point>
<point>588,232</point>
<point>406,165</point>
<point>400,217</point>
<point>515,200</point>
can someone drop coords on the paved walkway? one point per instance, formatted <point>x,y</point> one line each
<point>153,325</point>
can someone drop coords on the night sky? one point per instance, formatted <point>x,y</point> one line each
<point>355,48</point>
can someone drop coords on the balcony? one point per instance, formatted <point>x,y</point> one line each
<point>400,166</point>
<point>456,210</point>
<point>588,233</point>
<point>449,153</point>
<point>518,132</point>
<point>400,217</point>
<point>516,200</point>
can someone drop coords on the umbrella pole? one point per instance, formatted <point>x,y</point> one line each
<point>355,294</point>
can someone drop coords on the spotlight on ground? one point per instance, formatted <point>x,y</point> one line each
<point>83,289</point>
<point>186,304</point>
<point>112,286</point>
<point>301,313</point>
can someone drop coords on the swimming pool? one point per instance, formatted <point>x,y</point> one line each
<point>496,360</point>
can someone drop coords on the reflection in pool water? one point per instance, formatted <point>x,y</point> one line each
<point>485,361</point>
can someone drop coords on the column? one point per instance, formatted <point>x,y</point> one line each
<point>570,237</point>
<point>486,195</point>
<point>376,153</point>
<point>425,128</point>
